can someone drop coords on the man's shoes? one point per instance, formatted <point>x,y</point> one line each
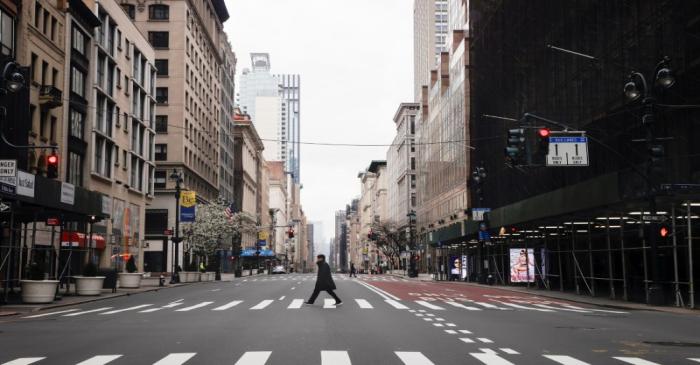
<point>308,303</point>
<point>338,304</point>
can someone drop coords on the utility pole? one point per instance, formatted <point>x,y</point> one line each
<point>175,276</point>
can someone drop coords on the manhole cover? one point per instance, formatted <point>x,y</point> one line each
<point>673,343</point>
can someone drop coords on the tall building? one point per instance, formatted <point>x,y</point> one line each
<point>430,29</point>
<point>228,100</point>
<point>248,170</point>
<point>373,209</point>
<point>401,163</point>
<point>279,207</point>
<point>310,237</point>
<point>273,102</point>
<point>340,226</point>
<point>187,38</point>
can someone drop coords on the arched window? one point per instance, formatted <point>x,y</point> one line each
<point>158,12</point>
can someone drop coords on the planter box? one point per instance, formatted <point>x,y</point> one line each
<point>38,291</point>
<point>89,285</point>
<point>212,275</point>
<point>203,276</point>
<point>195,276</point>
<point>130,280</point>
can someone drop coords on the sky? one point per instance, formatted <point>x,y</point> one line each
<point>355,59</point>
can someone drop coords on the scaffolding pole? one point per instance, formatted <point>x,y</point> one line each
<point>561,271</point>
<point>590,261</point>
<point>691,284</point>
<point>611,282</point>
<point>622,256</point>
<point>676,285</point>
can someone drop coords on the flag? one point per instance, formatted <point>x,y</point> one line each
<point>229,211</point>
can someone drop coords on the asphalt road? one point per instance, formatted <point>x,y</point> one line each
<point>384,320</point>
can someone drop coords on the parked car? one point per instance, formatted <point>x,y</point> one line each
<point>279,269</point>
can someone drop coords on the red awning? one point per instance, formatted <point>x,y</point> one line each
<point>77,239</point>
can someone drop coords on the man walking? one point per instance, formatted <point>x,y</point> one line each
<point>353,270</point>
<point>324,281</point>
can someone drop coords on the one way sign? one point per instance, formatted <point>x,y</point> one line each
<point>568,150</point>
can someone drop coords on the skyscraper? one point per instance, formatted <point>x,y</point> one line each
<point>430,18</point>
<point>273,102</point>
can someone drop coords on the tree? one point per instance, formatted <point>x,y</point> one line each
<point>389,240</point>
<point>205,235</point>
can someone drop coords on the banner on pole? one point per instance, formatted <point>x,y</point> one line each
<point>188,204</point>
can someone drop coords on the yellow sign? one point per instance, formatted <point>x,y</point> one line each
<point>262,235</point>
<point>188,198</point>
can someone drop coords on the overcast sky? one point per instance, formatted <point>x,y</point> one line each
<point>355,59</point>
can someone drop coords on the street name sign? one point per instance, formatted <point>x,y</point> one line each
<point>654,218</point>
<point>568,150</point>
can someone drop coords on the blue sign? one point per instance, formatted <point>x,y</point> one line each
<point>262,243</point>
<point>250,252</point>
<point>568,139</point>
<point>484,236</point>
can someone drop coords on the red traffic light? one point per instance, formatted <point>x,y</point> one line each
<point>52,159</point>
<point>543,132</point>
<point>664,231</point>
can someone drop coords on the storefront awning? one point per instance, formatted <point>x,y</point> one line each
<point>77,239</point>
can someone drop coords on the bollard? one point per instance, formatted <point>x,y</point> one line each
<point>161,281</point>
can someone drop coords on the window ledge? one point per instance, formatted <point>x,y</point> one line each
<point>101,177</point>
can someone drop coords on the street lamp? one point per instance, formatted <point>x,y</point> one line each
<point>175,277</point>
<point>634,89</point>
<point>411,221</point>
<point>12,78</point>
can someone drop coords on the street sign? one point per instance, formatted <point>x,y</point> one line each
<point>654,218</point>
<point>53,222</point>
<point>570,149</point>
<point>262,243</point>
<point>478,213</point>
<point>8,168</point>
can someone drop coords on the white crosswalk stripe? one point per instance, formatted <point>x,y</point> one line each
<point>459,305</point>
<point>151,310</point>
<point>328,303</point>
<point>228,305</point>
<point>87,311</point>
<point>509,351</point>
<point>127,309</point>
<point>335,358</point>
<point>100,360</point>
<point>175,359</point>
<point>296,304</point>
<point>24,361</point>
<point>696,360</point>
<point>634,360</point>
<point>254,358</point>
<point>565,360</point>
<point>52,313</point>
<point>518,306</point>
<point>396,304</point>
<point>562,309</point>
<point>429,305</point>
<point>488,305</point>
<point>413,358</point>
<point>262,304</point>
<point>192,307</point>
<point>363,304</point>
<point>490,359</point>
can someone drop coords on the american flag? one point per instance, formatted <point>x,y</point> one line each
<point>229,210</point>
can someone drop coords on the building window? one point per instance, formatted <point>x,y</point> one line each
<point>161,124</point>
<point>75,169</point>
<point>162,95</point>
<point>103,156</point>
<point>162,67</point>
<point>159,39</point>
<point>161,152</point>
<point>130,10</point>
<point>37,14</point>
<point>160,179</point>
<point>7,34</point>
<point>158,12</point>
<point>79,40</point>
<point>77,81</point>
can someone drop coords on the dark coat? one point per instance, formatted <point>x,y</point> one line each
<point>324,281</point>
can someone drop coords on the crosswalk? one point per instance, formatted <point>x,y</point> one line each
<point>180,306</point>
<point>334,357</point>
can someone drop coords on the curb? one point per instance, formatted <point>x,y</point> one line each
<point>541,293</point>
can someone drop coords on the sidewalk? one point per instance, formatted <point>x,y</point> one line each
<point>147,285</point>
<point>571,297</point>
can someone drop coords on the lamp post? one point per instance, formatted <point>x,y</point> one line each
<point>634,89</point>
<point>411,222</point>
<point>175,277</point>
<point>477,181</point>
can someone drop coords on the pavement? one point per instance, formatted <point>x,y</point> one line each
<point>383,320</point>
<point>568,296</point>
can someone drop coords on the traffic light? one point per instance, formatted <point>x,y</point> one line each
<point>541,146</point>
<point>664,231</point>
<point>515,146</point>
<point>52,166</point>
<point>656,156</point>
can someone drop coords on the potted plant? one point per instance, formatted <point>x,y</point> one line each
<point>89,283</point>
<point>130,278</point>
<point>36,289</point>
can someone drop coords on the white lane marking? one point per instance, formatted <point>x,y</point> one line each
<point>363,304</point>
<point>176,359</point>
<point>440,319</point>
<point>151,310</point>
<point>526,308</point>
<point>562,309</point>
<point>244,280</point>
<point>381,292</point>
<point>488,305</point>
<point>491,359</point>
<point>634,360</point>
<point>127,309</point>
<point>24,361</point>
<point>422,310</point>
<point>509,351</point>
<point>254,358</point>
<point>451,332</point>
<point>335,358</point>
<point>438,325</point>
<point>450,325</point>
<point>419,314</point>
<point>50,314</point>
<point>459,305</point>
<point>466,332</point>
<point>413,358</point>
<point>86,312</point>
<point>595,310</point>
<point>294,287</point>
<point>296,304</point>
<point>488,351</point>
<point>565,360</point>
<point>228,305</point>
<point>262,304</point>
<point>428,319</point>
<point>466,340</point>
<point>484,340</point>
<point>428,305</point>
<point>696,360</point>
<point>396,304</point>
<point>328,303</point>
<point>100,360</point>
<point>200,305</point>
<point>215,289</point>
<point>282,297</point>
<point>174,304</point>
